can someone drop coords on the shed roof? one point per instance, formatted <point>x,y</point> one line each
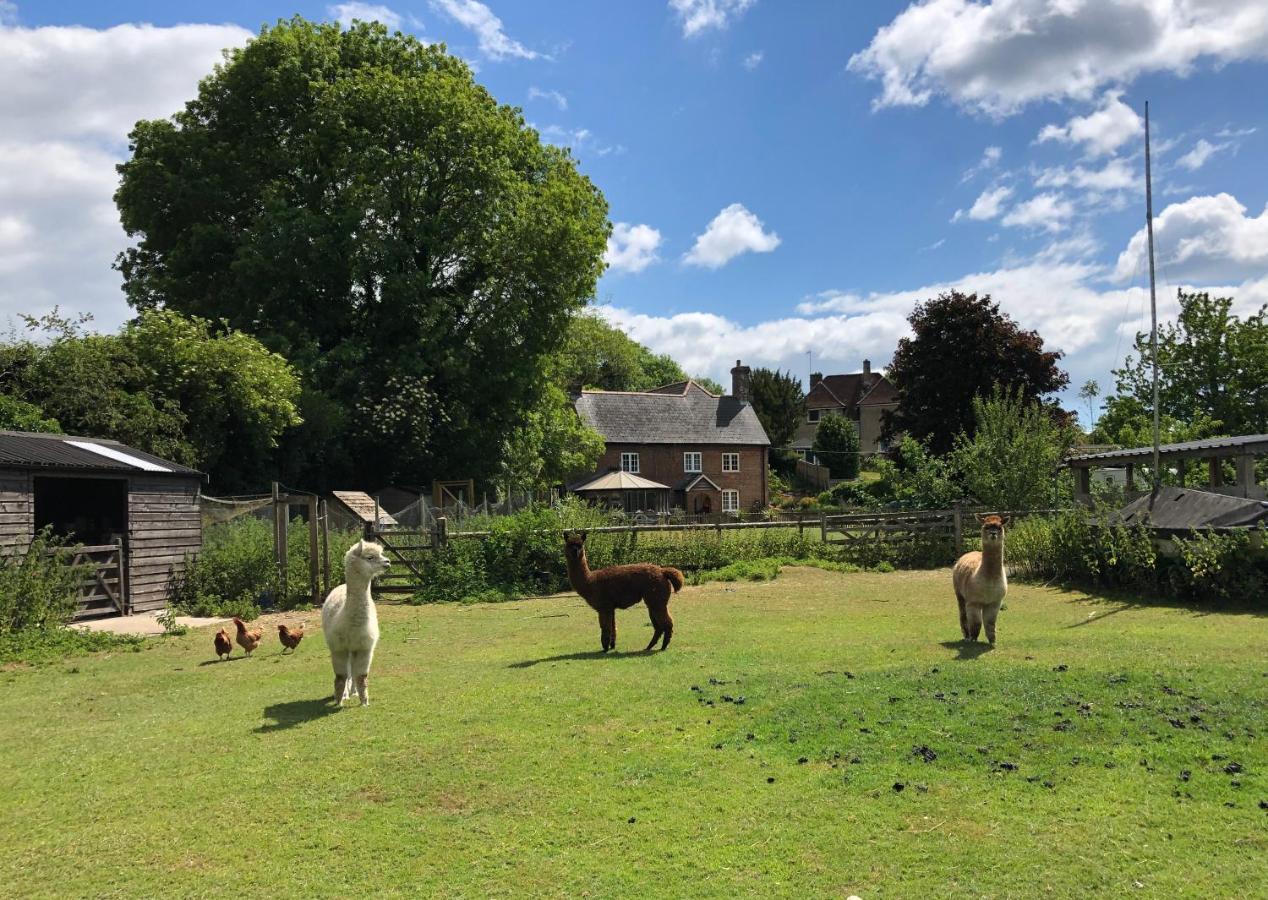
<point>1184,509</point>
<point>1255,444</point>
<point>30,450</point>
<point>692,417</point>
<point>362,505</point>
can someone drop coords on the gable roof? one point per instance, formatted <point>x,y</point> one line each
<point>679,388</point>
<point>852,390</point>
<point>33,450</point>
<point>882,393</point>
<point>693,416</point>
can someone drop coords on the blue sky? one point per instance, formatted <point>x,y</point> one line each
<point>785,177</point>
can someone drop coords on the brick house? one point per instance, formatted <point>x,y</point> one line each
<point>861,397</point>
<point>688,448</point>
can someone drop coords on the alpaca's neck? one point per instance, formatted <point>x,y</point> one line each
<point>578,572</point>
<point>357,595</point>
<point>992,560</point>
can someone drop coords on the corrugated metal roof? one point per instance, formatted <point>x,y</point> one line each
<point>692,417</point>
<point>27,450</point>
<point>1246,442</point>
<point>1185,508</point>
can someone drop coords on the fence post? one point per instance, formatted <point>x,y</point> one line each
<point>442,531</point>
<point>823,527</point>
<point>325,547</point>
<point>313,561</point>
<point>801,524</point>
<point>280,515</point>
<point>958,517</point>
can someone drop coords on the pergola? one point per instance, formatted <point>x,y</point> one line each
<point>1242,451</point>
<point>629,491</point>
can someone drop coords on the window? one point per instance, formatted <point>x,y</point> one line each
<point>691,462</point>
<point>629,462</point>
<point>730,462</point>
<point>812,415</point>
<point>730,501</point>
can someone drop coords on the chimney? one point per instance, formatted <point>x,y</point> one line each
<point>815,378</point>
<point>740,378</point>
<point>867,367</point>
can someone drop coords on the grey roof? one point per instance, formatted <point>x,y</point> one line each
<point>692,417</point>
<point>1184,508</point>
<point>28,450</point>
<point>1225,446</point>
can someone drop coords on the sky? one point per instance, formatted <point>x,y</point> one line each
<point>785,180</point>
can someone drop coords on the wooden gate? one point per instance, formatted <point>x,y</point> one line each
<point>105,589</point>
<point>406,548</point>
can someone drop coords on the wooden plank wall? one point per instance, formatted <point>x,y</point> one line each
<point>164,527</point>
<point>17,512</point>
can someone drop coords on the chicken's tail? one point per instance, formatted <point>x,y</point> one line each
<point>673,576</point>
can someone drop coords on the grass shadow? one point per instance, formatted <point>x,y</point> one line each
<point>296,712</point>
<point>968,649</point>
<point>565,657</point>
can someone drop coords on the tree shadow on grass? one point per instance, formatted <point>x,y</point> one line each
<point>296,712</point>
<point>565,657</point>
<point>968,649</point>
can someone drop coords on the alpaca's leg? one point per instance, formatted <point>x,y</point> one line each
<point>989,614</point>
<point>964,616</point>
<point>612,629</point>
<point>360,669</point>
<point>667,626</point>
<point>662,621</point>
<point>975,621</point>
<point>339,660</point>
<point>607,625</point>
<point>657,630</point>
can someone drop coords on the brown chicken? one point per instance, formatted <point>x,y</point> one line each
<point>247,640</point>
<point>290,637</point>
<point>224,646</point>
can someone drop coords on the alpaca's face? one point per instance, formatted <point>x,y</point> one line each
<point>366,559</point>
<point>992,531</point>
<point>575,546</point>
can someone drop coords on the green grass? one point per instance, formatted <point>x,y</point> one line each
<point>503,756</point>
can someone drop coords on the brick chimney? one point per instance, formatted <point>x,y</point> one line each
<point>741,376</point>
<point>815,378</point>
<point>867,367</point>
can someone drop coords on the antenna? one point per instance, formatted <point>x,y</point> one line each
<point>1153,302</point>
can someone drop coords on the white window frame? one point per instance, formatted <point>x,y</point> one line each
<point>734,498</point>
<point>687,460</point>
<point>629,463</point>
<point>730,457</point>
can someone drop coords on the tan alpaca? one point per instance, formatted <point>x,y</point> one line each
<point>980,582</point>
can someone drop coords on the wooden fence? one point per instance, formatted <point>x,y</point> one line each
<point>104,590</point>
<point>408,547</point>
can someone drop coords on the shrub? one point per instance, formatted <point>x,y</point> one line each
<point>1220,568</point>
<point>837,443</point>
<point>855,494</point>
<point>39,589</point>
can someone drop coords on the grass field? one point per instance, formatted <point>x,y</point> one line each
<point>820,735</point>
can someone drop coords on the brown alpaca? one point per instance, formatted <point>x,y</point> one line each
<point>620,587</point>
<point>980,582</point>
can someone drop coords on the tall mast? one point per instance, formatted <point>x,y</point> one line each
<point>1153,299</point>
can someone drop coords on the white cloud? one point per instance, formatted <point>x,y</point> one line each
<point>998,56</point>
<point>345,13</point>
<point>1048,212</point>
<point>990,159</point>
<point>487,27</point>
<point>733,231</point>
<point>1201,152</point>
<point>536,93</point>
<point>753,60</point>
<point>1115,175</point>
<point>989,204</point>
<point>1230,132</point>
<point>1101,132</point>
<point>70,97</point>
<point>632,248</point>
<point>1203,239</point>
<point>698,16</point>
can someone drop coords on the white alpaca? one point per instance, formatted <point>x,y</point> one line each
<point>350,623</point>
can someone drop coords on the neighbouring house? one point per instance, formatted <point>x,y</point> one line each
<point>134,515</point>
<point>862,397</point>
<point>677,446</point>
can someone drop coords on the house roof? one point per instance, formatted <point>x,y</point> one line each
<point>693,416</point>
<point>883,393</point>
<point>1254,444</point>
<point>691,482</point>
<point>1184,508</point>
<point>29,450</point>
<point>620,481</point>
<point>852,390</point>
<point>679,388</point>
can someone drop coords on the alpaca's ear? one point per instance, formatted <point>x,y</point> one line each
<point>359,549</point>
<point>584,535</point>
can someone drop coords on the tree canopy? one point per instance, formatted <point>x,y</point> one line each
<point>360,204</point>
<point>779,402</point>
<point>836,445</point>
<point>597,355</point>
<point>1213,377</point>
<point>1011,460</point>
<point>961,347</point>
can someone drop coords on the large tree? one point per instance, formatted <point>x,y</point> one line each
<point>836,445</point>
<point>961,347</point>
<point>1213,376</point>
<point>598,355</point>
<point>357,201</point>
<point>1012,459</point>
<point>779,402</point>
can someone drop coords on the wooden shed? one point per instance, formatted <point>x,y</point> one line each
<point>135,515</point>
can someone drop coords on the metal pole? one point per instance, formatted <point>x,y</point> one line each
<point>1153,299</point>
<point>313,561</point>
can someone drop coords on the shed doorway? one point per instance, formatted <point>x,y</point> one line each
<point>92,511</point>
